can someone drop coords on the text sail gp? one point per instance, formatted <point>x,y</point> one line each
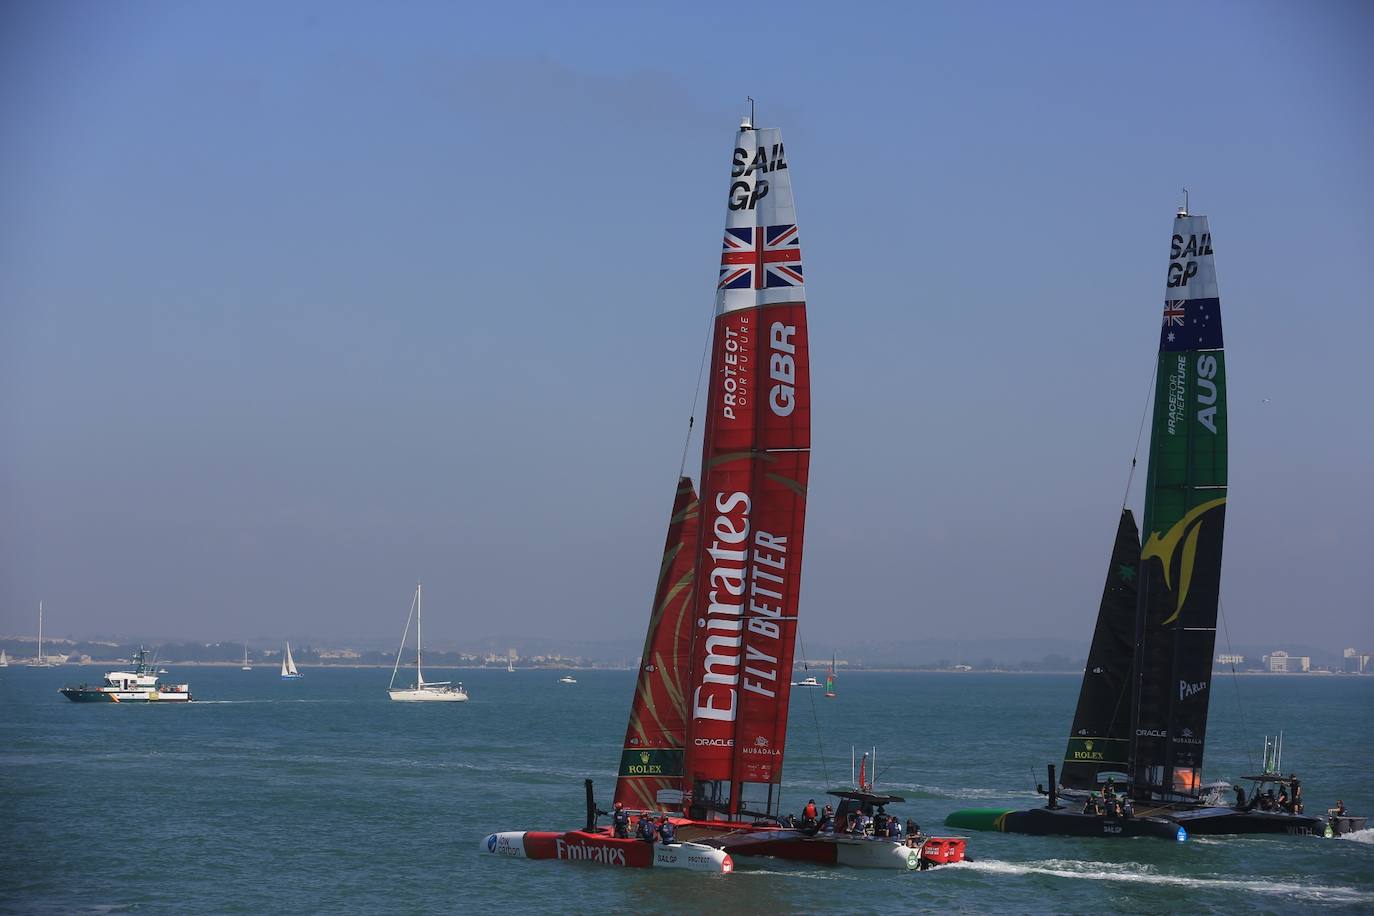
<point>755,460</point>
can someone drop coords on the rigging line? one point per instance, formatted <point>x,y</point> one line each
<point>1235,677</point>
<point>1139,433</point>
<point>696,393</point>
<point>815,719</point>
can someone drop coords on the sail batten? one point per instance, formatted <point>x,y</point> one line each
<point>1183,525</point>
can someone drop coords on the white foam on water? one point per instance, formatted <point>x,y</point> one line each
<point>1146,874</point>
<point>1359,836</point>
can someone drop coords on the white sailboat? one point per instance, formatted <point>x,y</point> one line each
<point>422,691</point>
<point>4,659</point>
<point>288,666</point>
<point>40,660</point>
<point>510,665</point>
<point>246,666</point>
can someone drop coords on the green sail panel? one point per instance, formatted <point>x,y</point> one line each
<point>1184,520</point>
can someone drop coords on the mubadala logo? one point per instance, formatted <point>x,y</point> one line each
<point>1187,737</point>
<point>761,746</point>
<point>1186,689</point>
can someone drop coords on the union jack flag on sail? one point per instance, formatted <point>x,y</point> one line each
<point>761,257</point>
<point>1174,312</point>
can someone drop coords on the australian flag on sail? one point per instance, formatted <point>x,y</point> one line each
<point>761,257</point>
<point>1191,324</point>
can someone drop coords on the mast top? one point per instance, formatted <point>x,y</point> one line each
<point>748,123</point>
<point>1183,210</point>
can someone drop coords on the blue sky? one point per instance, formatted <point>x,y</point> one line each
<point>302,302</point>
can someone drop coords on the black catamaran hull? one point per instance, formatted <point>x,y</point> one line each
<point>1061,822</point>
<point>1214,821</point>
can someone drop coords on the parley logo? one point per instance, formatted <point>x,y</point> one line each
<point>1164,548</point>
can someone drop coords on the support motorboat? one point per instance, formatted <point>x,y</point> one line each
<point>141,685</point>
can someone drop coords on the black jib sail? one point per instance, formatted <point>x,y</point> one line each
<point>1099,741</point>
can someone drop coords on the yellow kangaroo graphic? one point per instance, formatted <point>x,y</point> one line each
<point>1163,548</point>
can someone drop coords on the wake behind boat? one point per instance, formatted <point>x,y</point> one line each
<point>421,691</point>
<point>701,765</point>
<point>140,685</point>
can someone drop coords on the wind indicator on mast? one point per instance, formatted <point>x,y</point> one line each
<point>1183,210</point>
<point>748,123</point>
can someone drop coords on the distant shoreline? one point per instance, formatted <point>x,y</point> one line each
<point>107,663</point>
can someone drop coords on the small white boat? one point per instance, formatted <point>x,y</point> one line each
<point>422,691</point>
<point>288,666</point>
<point>163,671</point>
<point>246,666</point>
<point>807,682</point>
<point>4,659</point>
<point>510,665</point>
<point>567,679</point>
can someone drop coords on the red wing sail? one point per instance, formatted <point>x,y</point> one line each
<point>652,756</point>
<point>755,459</point>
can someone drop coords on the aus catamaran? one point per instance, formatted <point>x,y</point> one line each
<point>701,764</point>
<point>1140,726</point>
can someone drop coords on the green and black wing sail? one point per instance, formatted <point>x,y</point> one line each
<point>1185,512</point>
<point>1099,741</point>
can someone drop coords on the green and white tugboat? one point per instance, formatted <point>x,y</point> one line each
<point>141,685</point>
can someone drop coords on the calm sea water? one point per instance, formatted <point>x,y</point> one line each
<point>323,796</point>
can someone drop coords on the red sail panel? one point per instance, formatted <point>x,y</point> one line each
<point>652,756</point>
<point>755,460</point>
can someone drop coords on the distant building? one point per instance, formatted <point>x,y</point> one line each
<point>1355,662</point>
<point>1230,659</point>
<point>1280,662</point>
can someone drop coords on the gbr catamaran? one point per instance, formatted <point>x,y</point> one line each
<point>1140,726</point>
<point>704,745</point>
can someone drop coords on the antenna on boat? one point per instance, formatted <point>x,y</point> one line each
<point>1183,210</point>
<point>748,123</point>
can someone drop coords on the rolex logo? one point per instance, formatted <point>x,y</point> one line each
<point>643,756</point>
<point>1088,744</point>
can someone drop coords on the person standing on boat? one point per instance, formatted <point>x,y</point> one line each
<point>809,815</point>
<point>827,824</point>
<point>1240,796</point>
<point>620,821</point>
<point>1296,800</point>
<point>666,830</point>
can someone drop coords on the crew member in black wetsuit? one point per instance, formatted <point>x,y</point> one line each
<point>1240,796</point>
<point>620,821</point>
<point>1296,801</point>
